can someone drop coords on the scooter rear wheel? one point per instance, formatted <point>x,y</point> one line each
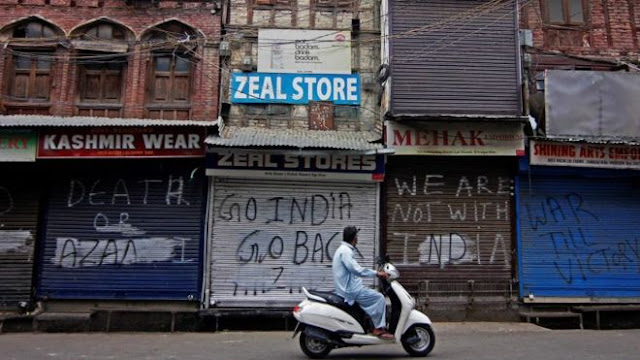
<point>314,348</point>
<point>426,342</point>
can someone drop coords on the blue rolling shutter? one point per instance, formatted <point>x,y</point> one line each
<point>579,237</point>
<point>127,229</point>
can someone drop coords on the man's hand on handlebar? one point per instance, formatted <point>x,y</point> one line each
<point>383,274</point>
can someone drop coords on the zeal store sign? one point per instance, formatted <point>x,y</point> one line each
<point>294,88</point>
<point>609,156</point>
<point>294,167</point>
<point>462,139</point>
<point>107,142</point>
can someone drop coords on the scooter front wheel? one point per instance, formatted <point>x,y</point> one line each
<point>419,340</point>
<point>314,348</point>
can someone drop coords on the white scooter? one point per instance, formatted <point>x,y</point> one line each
<point>326,322</point>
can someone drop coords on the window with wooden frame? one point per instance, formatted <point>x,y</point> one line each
<point>565,12</point>
<point>30,76</point>
<point>169,79</point>
<point>29,65</point>
<point>101,68</point>
<point>101,81</point>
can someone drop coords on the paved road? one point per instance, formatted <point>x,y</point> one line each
<point>466,341</point>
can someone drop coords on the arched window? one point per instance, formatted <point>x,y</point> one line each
<point>101,57</point>
<point>29,66</point>
<point>33,30</point>
<point>104,31</point>
<point>169,81</point>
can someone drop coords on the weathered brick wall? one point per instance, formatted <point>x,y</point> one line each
<point>610,32</point>
<point>140,17</point>
<point>242,32</point>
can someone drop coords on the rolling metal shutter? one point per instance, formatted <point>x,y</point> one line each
<point>579,237</point>
<point>124,229</point>
<point>19,194</point>
<point>271,238</point>
<point>454,57</point>
<point>449,220</point>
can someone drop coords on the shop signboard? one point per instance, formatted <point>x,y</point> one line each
<point>456,139</point>
<point>17,146</point>
<point>330,166</point>
<point>109,142</point>
<point>606,156</point>
<point>267,88</point>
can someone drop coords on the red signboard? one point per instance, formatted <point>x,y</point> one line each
<point>121,142</point>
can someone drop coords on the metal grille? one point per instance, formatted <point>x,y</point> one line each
<point>19,194</point>
<point>579,236</point>
<point>449,220</point>
<point>124,229</point>
<point>461,60</point>
<point>271,238</point>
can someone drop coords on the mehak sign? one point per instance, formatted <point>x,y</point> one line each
<point>465,139</point>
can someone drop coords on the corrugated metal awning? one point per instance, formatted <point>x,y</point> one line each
<point>345,140</point>
<point>44,120</point>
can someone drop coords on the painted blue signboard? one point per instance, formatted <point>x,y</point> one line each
<point>267,88</point>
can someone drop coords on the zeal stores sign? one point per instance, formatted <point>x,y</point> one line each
<point>145,142</point>
<point>332,166</point>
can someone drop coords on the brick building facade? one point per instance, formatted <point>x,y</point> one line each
<point>80,35</point>
<point>139,80</point>
<point>581,82</point>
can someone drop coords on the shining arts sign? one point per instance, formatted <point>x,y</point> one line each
<point>268,88</point>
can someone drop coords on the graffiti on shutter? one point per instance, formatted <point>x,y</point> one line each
<point>271,239</point>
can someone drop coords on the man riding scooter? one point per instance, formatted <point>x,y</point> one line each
<point>347,275</point>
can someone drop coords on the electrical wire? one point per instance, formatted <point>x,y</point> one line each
<point>474,12</point>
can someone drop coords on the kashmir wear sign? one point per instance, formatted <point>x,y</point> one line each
<point>462,139</point>
<point>110,142</point>
<point>304,51</point>
<point>608,156</point>
<point>17,146</point>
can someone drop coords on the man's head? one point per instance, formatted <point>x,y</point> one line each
<point>350,235</point>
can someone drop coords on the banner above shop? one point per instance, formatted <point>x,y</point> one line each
<point>108,142</point>
<point>456,139</point>
<point>295,167</point>
<point>295,89</point>
<point>304,51</point>
<point>17,146</point>
<point>610,156</point>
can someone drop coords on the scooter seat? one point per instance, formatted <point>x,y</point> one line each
<point>332,298</point>
<point>354,310</point>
